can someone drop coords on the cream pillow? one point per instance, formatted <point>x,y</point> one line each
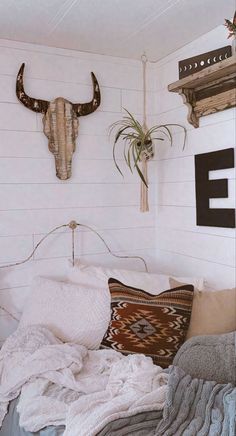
<point>152,283</point>
<point>74,313</point>
<point>213,312</point>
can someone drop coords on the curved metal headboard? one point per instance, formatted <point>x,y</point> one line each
<point>73,225</point>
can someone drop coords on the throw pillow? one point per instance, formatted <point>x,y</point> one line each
<point>151,282</point>
<point>154,325</point>
<point>74,313</point>
<point>213,313</point>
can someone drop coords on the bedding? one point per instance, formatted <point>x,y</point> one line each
<point>141,424</point>
<point>155,325</point>
<point>66,384</point>
<point>209,357</point>
<point>193,405</point>
<point>197,407</point>
<point>10,426</point>
<point>213,312</point>
<point>152,283</point>
<point>74,313</point>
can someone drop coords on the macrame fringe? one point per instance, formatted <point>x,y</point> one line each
<point>144,206</point>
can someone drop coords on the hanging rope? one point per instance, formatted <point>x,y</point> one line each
<point>147,154</point>
<point>144,64</point>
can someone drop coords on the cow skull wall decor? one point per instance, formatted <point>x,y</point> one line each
<point>60,121</point>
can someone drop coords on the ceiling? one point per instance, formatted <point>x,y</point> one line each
<point>123,28</point>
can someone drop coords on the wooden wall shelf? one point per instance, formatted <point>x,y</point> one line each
<point>208,91</point>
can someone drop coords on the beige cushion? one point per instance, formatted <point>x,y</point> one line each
<point>213,312</point>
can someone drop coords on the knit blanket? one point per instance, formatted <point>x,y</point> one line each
<point>196,407</point>
<point>210,357</point>
<point>66,384</point>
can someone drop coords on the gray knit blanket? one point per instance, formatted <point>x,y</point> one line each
<point>196,407</point>
<point>209,357</point>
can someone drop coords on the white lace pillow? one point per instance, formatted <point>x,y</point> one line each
<point>152,283</point>
<point>78,313</point>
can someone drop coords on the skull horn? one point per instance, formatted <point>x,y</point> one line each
<point>88,108</point>
<point>34,104</point>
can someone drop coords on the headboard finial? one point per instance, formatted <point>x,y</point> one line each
<point>72,225</point>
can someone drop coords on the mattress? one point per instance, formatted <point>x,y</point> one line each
<point>142,424</point>
<point>11,426</point>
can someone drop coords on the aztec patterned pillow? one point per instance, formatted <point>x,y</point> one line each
<point>154,325</point>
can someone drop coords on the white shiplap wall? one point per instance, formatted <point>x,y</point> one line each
<point>33,200</point>
<point>182,247</point>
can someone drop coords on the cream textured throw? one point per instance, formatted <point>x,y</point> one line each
<point>65,384</point>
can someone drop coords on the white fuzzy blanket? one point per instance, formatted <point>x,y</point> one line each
<point>65,384</point>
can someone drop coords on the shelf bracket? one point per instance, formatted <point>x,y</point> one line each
<point>189,99</point>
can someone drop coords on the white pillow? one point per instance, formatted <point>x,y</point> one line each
<point>74,313</point>
<point>152,283</point>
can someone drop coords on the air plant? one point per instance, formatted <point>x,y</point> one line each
<point>231,26</point>
<point>138,141</point>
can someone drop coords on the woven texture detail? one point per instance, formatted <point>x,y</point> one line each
<point>76,313</point>
<point>155,325</point>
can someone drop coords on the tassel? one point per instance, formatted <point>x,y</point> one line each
<point>144,206</point>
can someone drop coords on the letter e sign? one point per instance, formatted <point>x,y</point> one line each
<point>206,189</point>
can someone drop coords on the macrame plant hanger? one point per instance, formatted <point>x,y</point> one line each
<point>148,153</point>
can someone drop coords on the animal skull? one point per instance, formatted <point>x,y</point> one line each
<point>60,122</point>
